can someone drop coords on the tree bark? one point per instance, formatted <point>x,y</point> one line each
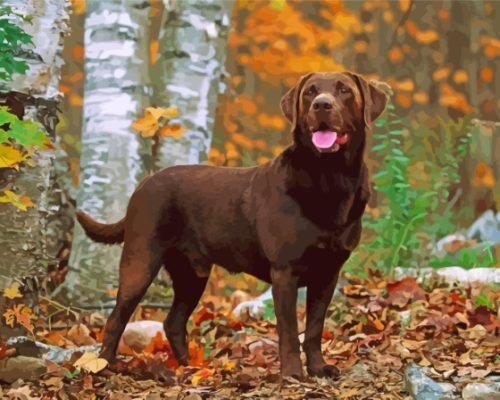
<point>112,156</point>
<point>188,73</point>
<point>30,240</point>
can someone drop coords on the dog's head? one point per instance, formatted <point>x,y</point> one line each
<point>330,112</point>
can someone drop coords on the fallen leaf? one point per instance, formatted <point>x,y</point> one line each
<point>90,362</point>
<point>80,335</point>
<point>12,292</point>
<point>403,291</point>
<point>21,393</point>
<point>200,375</point>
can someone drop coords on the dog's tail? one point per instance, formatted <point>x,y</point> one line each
<point>99,232</point>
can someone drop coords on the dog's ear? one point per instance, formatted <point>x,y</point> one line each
<point>290,101</point>
<point>374,99</point>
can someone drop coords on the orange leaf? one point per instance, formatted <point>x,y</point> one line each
<point>440,74</point>
<point>486,74</point>
<point>460,76</point>
<point>395,55</point>
<point>174,130</point>
<point>403,100</point>
<point>78,53</point>
<point>153,51</point>
<point>77,76</point>
<point>22,314</point>
<point>483,176</point>
<point>443,14</point>
<point>146,126</point>
<point>75,100</point>
<point>200,375</point>
<point>157,344</point>
<point>421,97</point>
<point>427,37</point>
<point>196,354</point>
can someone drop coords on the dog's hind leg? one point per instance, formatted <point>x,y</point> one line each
<point>188,288</point>
<point>139,265</point>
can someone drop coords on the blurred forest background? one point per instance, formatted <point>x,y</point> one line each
<point>149,84</point>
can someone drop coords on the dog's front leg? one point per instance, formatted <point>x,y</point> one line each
<point>319,294</point>
<point>285,285</point>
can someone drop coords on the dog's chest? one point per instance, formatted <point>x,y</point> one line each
<point>326,200</point>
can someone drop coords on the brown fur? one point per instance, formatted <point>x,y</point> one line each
<point>291,222</point>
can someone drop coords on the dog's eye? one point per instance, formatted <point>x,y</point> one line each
<point>345,89</point>
<point>311,90</point>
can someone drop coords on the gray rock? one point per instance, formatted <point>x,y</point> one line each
<point>421,387</point>
<point>26,346</point>
<point>21,367</point>
<point>481,391</point>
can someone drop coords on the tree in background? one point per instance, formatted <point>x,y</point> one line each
<point>188,72</point>
<point>31,234</point>
<point>116,90</point>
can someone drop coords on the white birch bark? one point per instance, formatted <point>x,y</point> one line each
<point>116,89</point>
<point>188,73</point>
<point>29,240</point>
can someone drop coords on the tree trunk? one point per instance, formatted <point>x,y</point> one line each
<point>112,155</point>
<point>188,73</point>
<point>30,240</point>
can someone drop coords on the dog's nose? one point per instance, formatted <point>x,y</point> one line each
<point>322,102</point>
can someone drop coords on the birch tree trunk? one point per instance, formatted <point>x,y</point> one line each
<point>187,74</point>
<point>116,89</point>
<point>30,240</point>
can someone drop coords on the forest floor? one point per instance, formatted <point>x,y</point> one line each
<point>374,331</point>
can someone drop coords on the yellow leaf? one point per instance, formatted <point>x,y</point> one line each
<point>159,112</point>
<point>170,112</point>
<point>78,6</point>
<point>91,363</point>
<point>229,365</point>
<point>19,201</point>
<point>201,374</point>
<point>156,112</point>
<point>174,130</point>
<point>12,291</point>
<point>147,125</point>
<point>10,157</point>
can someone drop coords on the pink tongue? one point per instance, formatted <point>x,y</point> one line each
<point>324,139</point>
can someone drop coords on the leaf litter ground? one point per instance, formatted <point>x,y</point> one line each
<point>373,330</point>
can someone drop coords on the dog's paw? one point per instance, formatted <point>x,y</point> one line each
<point>323,370</point>
<point>294,372</point>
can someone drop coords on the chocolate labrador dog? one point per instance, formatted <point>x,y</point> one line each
<point>291,222</point>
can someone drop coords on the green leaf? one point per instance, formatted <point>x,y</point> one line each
<point>6,117</point>
<point>71,375</point>
<point>483,300</point>
<point>3,136</point>
<point>27,133</point>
